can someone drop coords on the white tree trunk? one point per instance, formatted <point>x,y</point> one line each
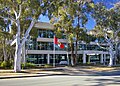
<point>111,55</point>
<point>72,63</point>
<point>19,42</point>
<point>111,60</point>
<point>111,51</point>
<point>17,59</point>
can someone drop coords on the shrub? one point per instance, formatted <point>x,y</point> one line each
<point>28,65</point>
<point>48,66</point>
<point>6,64</point>
<point>3,64</point>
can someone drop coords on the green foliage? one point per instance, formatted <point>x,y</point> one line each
<point>118,34</point>
<point>64,16</point>
<point>28,65</point>
<point>30,9</point>
<point>6,64</point>
<point>48,66</point>
<point>0,63</point>
<point>34,32</point>
<point>107,18</point>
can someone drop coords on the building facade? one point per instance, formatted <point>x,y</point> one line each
<point>40,50</point>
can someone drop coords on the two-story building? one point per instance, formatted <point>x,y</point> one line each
<point>40,50</point>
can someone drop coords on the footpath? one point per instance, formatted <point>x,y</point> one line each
<point>71,71</point>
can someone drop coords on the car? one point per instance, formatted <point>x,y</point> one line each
<point>63,63</point>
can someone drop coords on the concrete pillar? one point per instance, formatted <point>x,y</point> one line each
<point>101,58</point>
<point>89,57</point>
<point>84,58</point>
<point>104,59</point>
<point>68,58</point>
<point>48,59</point>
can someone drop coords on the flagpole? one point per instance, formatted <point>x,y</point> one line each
<point>54,54</point>
<point>67,50</point>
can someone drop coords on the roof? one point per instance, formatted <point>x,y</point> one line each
<point>44,25</point>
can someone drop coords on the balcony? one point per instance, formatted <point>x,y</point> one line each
<point>50,40</point>
<point>44,52</point>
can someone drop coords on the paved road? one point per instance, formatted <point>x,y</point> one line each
<point>63,80</point>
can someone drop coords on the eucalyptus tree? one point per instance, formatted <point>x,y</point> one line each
<point>81,10</point>
<point>55,9</point>
<point>19,11</point>
<point>108,24</point>
<point>64,24</point>
<point>4,37</point>
<point>64,14</point>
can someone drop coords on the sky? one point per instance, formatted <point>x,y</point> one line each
<point>91,22</point>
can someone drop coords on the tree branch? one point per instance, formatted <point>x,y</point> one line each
<point>20,9</point>
<point>101,46</point>
<point>28,31</point>
<point>13,42</point>
<point>15,14</point>
<point>8,18</point>
<point>117,32</point>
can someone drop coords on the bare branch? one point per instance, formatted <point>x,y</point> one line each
<point>20,9</point>
<point>13,42</point>
<point>106,38</point>
<point>15,14</point>
<point>28,31</point>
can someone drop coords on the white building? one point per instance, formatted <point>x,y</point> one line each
<point>40,49</point>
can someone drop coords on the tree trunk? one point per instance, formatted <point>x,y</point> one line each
<point>4,50</point>
<point>111,55</point>
<point>76,56</point>
<point>67,50</point>
<point>23,54</point>
<point>17,59</point>
<point>118,53</point>
<point>72,54</point>
<point>23,51</point>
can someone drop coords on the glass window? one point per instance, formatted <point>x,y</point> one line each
<point>45,34</point>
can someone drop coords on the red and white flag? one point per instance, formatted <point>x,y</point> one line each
<point>61,45</point>
<point>56,41</point>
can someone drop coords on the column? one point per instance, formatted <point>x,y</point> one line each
<point>104,59</point>
<point>68,58</point>
<point>84,58</point>
<point>89,57</point>
<point>101,58</point>
<point>48,59</point>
